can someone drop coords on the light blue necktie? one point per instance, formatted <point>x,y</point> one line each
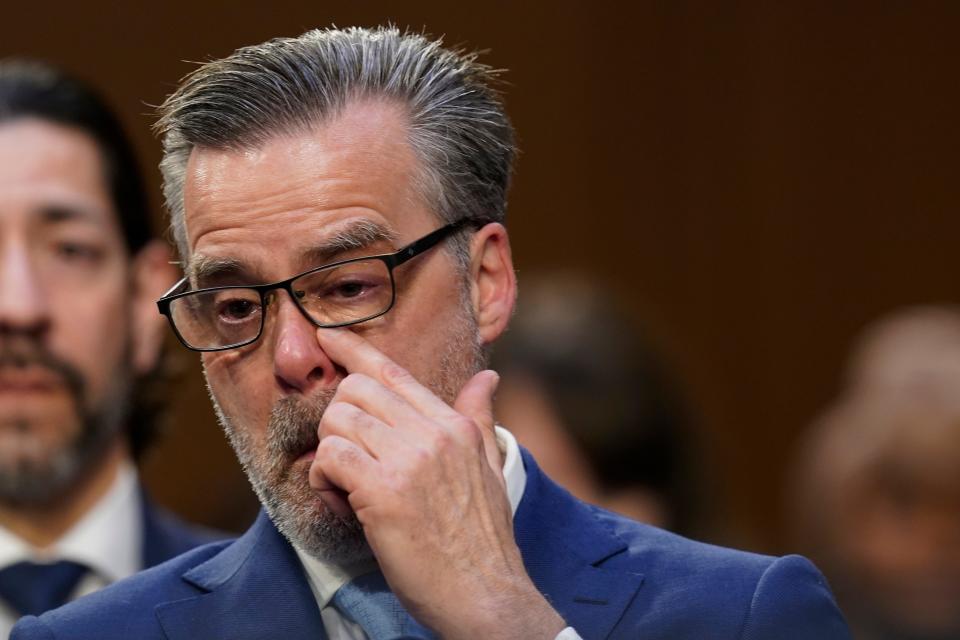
<point>368,601</point>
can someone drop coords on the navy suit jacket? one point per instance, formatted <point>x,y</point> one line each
<point>609,577</point>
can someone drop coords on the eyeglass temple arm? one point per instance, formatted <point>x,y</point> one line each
<point>161,302</point>
<point>426,242</point>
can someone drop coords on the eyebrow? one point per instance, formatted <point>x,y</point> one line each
<point>356,235</point>
<point>353,236</point>
<point>54,213</point>
<point>204,269</point>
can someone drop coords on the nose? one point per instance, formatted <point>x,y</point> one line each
<point>23,298</point>
<point>299,364</point>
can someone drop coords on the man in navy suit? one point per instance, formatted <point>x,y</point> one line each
<point>338,201</point>
<point>78,271</point>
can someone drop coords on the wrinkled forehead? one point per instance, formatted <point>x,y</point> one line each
<point>338,240</point>
<point>350,182</point>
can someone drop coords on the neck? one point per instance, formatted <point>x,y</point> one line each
<point>41,526</point>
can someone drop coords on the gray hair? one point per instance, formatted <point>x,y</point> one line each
<point>457,124</point>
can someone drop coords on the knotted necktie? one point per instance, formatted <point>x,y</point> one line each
<point>32,588</point>
<point>368,601</point>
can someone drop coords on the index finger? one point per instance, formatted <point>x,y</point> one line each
<point>357,355</point>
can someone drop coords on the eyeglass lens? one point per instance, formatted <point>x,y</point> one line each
<point>337,295</point>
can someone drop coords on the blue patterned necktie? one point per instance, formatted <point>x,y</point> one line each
<point>368,601</point>
<point>32,588</point>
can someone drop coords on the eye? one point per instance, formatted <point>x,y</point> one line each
<point>73,251</point>
<point>349,289</point>
<point>236,310</point>
<point>356,288</point>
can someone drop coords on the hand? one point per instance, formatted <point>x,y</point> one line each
<point>425,482</point>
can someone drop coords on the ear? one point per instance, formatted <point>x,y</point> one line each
<point>151,275</point>
<point>493,282</point>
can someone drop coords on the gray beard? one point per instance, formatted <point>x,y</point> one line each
<point>39,482</point>
<point>281,481</point>
<point>282,485</point>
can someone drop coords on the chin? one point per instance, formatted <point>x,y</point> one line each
<point>301,516</point>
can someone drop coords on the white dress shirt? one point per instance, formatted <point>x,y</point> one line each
<point>325,577</point>
<point>108,540</point>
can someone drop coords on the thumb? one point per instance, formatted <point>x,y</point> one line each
<point>476,398</point>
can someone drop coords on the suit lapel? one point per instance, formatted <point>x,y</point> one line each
<point>254,588</point>
<point>564,546</point>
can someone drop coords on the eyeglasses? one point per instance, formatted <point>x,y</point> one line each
<point>334,295</point>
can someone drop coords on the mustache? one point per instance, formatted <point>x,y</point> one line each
<point>292,428</point>
<point>21,353</point>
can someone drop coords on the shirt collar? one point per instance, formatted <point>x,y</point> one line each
<point>108,538</point>
<point>513,472</point>
<point>325,577</point>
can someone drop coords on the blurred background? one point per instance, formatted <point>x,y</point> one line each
<point>754,182</point>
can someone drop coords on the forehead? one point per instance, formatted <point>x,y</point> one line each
<point>291,191</point>
<point>44,165</point>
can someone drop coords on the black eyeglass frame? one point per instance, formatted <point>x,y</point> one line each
<point>391,260</point>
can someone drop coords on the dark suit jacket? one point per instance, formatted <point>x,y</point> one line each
<point>608,576</point>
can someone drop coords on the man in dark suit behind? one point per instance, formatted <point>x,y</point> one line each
<point>338,200</point>
<point>78,271</point>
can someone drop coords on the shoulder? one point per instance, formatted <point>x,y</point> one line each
<point>662,553</point>
<point>666,586</point>
<point>124,609</point>
<point>694,589</point>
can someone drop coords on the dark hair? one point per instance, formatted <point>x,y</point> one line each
<point>33,89</point>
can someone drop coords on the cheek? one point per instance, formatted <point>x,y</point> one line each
<point>405,338</point>
<point>90,331</point>
<point>416,331</point>
<point>241,384</point>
